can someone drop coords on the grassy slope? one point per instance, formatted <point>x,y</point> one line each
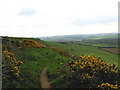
<point>78,50</point>
<point>35,59</point>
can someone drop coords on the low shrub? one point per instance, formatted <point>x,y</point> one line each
<point>11,70</point>
<point>62,52</point>
<point>31,43</point>
<point>89,72</point>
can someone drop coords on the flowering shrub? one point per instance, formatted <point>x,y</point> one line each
<point>11,73</point>
<point>107,85</point>
<point>6,45</point>
<point>31,43</point>
<point>89,71</point>
<point>62,52</point>
<point>13,65</point>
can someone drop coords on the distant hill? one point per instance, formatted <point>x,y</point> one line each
<point>80,37</point>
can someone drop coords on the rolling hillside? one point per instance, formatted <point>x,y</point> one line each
<point>34,59</point>
<point>100,40</point>
<point>24,59</point>
<point>78,50</point>
<point>80,37</point>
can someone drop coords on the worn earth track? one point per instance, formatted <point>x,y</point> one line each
<point>44,79</point>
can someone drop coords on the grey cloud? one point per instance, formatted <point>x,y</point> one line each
<point>27,12</point>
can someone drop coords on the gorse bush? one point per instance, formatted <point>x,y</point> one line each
<point>31,43</point>
<point>89,72</point>
<point>10,66</point>
<point>107,85</point>
<point>6,45</point>
<point>62,52</point>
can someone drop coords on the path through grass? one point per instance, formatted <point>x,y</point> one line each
<point>44,79</point>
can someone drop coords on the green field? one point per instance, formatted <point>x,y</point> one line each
<point>107,42</point>
<point>79,37</point>
<point>35,59</point>
<point>78,50</point>
<point>100,40</point>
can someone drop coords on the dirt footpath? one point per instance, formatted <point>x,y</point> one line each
<point>44,79</point>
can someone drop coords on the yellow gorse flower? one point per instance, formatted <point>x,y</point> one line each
<point>91,67</point>
<point>62,52</point>
<point>109,85</point>
<point>14,66</point>
<point>31,43</point>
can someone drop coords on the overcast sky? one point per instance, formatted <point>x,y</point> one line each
<point>37,18</point>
